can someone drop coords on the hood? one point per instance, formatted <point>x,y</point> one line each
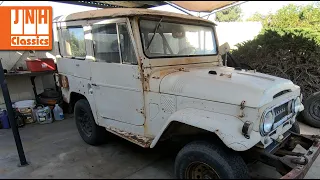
<point>226,85</point>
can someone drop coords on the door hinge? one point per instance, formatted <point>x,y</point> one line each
<point>136,76</point>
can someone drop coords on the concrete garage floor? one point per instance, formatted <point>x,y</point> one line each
<point>57,151</point>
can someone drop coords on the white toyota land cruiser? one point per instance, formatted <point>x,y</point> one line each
<point>149,76</point>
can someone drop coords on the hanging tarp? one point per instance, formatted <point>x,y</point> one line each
<point>198,6</point>
<point>203,6</point>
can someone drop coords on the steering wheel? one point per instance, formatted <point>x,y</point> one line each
<point>114,46</point>
<point>187,51</point>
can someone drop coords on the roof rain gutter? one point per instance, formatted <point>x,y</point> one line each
<point>226,7</point>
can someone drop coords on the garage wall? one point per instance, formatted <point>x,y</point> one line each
<point>237,32</point>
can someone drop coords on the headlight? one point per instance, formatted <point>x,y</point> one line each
<point>296,105</point>
<point>268,122</point>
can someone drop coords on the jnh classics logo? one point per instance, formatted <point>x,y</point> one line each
<point>26,28</point>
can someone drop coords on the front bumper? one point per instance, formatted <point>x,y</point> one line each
<point>303,164</point>
<point>290,164</point>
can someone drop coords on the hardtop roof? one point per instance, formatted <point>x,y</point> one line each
<point>123,12</point>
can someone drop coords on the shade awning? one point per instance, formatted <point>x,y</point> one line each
<point>198,6</point>
<point>203,6</point>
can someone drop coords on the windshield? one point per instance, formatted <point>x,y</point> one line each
<point>167,39</point>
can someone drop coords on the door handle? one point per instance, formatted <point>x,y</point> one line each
<point>93,84</point>
<point>77,65</point>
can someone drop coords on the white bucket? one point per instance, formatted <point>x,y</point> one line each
<point>24,104</point>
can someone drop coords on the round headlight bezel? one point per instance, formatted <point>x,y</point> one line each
<point>268,121</point>
<point>296,105</point>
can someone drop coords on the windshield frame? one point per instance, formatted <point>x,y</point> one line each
<point>178,21</point>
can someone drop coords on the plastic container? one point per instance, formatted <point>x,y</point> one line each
<point>4,119</point>
<point>26,109</point>
<point>44,115</point>
<point>58,113</point>
<point>41,64</point>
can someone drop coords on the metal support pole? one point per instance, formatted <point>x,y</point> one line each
<point>13,123</point>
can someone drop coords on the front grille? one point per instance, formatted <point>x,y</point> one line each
<point>281,111</point>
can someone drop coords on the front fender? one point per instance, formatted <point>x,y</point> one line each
<point>227,128</point>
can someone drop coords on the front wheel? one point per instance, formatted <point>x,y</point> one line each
<point>204,160</point>
<point>90,132</point>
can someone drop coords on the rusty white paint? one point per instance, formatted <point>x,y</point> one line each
<point>255,88</point>
<point>227,127</point>
<point>118,95</point>
<point>138,102</point>
<point>135,138</point>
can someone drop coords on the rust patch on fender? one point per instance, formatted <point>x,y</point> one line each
<point>135,138</point>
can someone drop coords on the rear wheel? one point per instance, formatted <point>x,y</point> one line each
<point>204,160</point>
<point>90,132</point>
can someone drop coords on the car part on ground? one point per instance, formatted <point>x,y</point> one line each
<point>291,165</point>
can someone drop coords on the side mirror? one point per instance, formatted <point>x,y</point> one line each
<point>224,48</point>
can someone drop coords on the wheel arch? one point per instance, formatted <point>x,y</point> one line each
<point>227,128</point>
<point>73,98</point>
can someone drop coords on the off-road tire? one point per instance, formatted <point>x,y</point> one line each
<point>224,161</point>
<point>98,134</point>
<point>311,112</point>
<point>295,127</point>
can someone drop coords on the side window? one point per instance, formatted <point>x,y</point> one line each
<point>105,41</point>
<point>106,47</point>
<point>74,44</point>
<point>127,50</point>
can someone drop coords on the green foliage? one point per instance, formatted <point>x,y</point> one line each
<point>77,46</point>
<point>256,17</point>
<point>291,16</point>
<point>229,15</point>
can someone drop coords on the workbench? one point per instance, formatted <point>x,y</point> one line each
<point>32,76</point>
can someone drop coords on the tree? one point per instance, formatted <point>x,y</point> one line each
<point>256,17</point>
<point>229,15</point>
<point>77,46</point>
<point>291,16</point>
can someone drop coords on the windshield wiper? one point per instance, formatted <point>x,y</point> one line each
<point>154,33</point>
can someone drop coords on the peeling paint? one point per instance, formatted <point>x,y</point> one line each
<point>135,138</point>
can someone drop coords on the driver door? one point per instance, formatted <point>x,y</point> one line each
<point>116,84</point>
